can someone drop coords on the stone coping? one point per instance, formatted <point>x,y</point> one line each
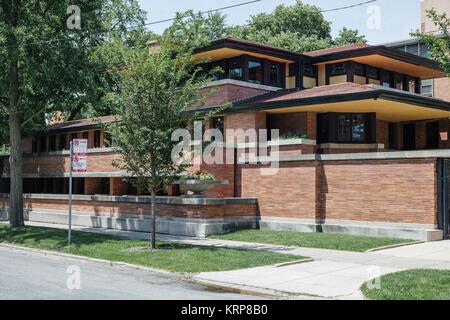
<point>245,145</point>
<point>200,182</point>
<point>141,199</point>
<point>118,174</point>
<point>355,146</point>
<point>418,154</point>
<point>67,152</point>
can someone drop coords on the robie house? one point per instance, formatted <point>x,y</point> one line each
<point>361,151</point>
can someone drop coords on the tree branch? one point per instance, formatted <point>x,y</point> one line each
<point>32,117</point>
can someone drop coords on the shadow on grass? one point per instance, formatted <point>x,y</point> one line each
<point>47,237</point>
<point>57,239</point>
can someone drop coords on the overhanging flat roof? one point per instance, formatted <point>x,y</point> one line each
<point>236,46</point>
<point>387,58</point>
<point>389,104</point>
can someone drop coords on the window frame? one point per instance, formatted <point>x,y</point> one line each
<point>327,127</point>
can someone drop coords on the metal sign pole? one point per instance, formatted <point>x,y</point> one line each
<point>69,235</point>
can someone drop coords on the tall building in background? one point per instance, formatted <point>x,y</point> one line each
<point>437,88</point>
<point>440,6</point>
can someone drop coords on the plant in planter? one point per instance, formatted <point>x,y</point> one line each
<point>293,136</point>
<point>198,182</point>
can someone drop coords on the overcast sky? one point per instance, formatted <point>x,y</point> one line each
<point>397,17</point>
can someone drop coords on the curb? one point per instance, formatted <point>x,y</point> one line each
<point>394,246</point>
<point>290,263</point>
<point>88,259</point>
<point>255,291</point>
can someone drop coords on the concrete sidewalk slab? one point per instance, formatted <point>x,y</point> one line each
<point>326,279</point>
<point>384,258</point>
<point>438,251</point>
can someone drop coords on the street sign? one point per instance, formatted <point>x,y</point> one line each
<point>79,163</point>
<point>80,146</point>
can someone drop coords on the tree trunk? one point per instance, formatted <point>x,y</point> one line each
<point>153,237</point>
<point>15,160</point>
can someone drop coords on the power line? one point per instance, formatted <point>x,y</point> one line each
<point>206,12</point>
<point>145,24</point>
<point>201,12</point>
<point>348,7</point>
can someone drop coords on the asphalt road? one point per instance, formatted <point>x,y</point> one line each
<point>29,275</point>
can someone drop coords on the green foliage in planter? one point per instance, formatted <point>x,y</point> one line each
<point>198,175</point>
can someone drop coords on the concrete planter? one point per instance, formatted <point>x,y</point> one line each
<point>198,186</point>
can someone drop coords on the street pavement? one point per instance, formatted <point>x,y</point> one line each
<point>333,274</point>
<point>29,275</point>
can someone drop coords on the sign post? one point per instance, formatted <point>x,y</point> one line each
<point>78,163</point>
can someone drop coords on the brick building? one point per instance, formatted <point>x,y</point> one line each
<point>361,150</point>
<point>433,87</point>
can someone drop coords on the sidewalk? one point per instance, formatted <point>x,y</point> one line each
<point>333,274</point>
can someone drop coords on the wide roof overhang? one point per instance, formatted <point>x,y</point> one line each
<point>389,106</point>
<point>387,58</point>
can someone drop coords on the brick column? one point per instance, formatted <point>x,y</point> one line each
<point>118,187</point>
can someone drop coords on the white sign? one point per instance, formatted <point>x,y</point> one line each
<point>79,146</point>
<point>79,163</point>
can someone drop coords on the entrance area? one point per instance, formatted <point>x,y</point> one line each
<point>409,136</point>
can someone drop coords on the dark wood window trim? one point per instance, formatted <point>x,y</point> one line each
<point>97,139</point>
<point>373,73</point>
<point>243,62</point>
<point>63,142</point>
<point>327,128</point>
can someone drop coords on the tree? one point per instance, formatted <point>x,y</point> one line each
<point>154,91</point>
<point>349,36</point>
<point>299,28</point>
<point>195,29</point>
<point>439,44</point>
<point>46,65</point>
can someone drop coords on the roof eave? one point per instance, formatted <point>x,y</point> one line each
<point>261,49</point>
<point>381,50</point>
<point>374,94</point>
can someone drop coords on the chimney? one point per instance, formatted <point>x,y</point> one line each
<point>153,46</point>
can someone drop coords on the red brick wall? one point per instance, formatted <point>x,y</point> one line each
<point>222,94</point>
<point>295,150</point>
<point>97,162</point>
<point>118,187</point>
<point>369,190</point>
<point>289,193</point>
<point>247,120</point>
<point>383,133</point>
<point>421,135</point>
<point>297,122</point>
<point>381,190</point>
<point>442,88</point>
<point>123,208</point>
<point>93,185</point>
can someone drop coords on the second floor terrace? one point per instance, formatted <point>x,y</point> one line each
<point>256,68</point>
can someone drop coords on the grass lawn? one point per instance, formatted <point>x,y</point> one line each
<point>311,239</point>
<point>412,285</point>
<point>172,257</point>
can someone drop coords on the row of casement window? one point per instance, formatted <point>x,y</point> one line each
<point>60,142</point>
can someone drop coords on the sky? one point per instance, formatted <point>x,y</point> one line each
<point>381,22</point>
